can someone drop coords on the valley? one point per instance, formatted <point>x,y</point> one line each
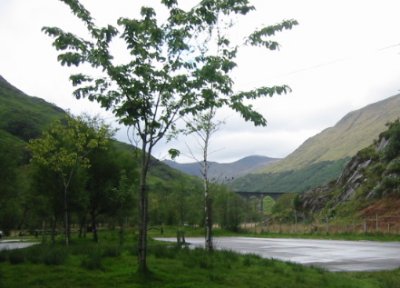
<point>303,97</point>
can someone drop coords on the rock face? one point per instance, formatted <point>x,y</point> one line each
<point>352,177</point>
<point>315,200</point>
<point>373,174</point>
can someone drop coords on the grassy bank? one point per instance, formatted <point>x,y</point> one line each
<point>108,264</point>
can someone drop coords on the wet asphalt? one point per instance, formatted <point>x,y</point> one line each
<point>332,255</point>
<point>11,245</point>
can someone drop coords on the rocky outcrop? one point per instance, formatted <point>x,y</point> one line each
<point>367,176</point>
<point>316,199</point>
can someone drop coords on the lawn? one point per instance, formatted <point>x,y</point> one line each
<point>109,264</point>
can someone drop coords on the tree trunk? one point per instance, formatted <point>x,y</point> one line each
<point>142,245</point>
<point>43,231</point>
<point>82,227</point>
<point>207,204</point>
<point>207,198</point>
<point>209,240</point>
<point>143,212</point>
<point>121,232</point>
<point>53,230</point>
<point>66,223</point>
<point>94,226</point>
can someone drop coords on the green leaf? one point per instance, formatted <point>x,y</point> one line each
<point>173,153</point>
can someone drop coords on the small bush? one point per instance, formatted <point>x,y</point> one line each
<point>228,255</point>
<point>368,153</point>
<point>93,261</point>
<point>35,253</point>
<point>81,249</point>
<point>111,251</point>
<point>247,261</point>
<point>4,255</point>
<point>197,257</point>
<point>163,251</point>
<point>206,262</point>
<point>17,256</point>
<point>251,259</point>
<point>55,256</point>
<point>393,166</point>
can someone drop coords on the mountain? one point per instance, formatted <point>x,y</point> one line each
<point>368,187</point>
<point>321,158</point>
<point>24,117</point>
<point>225,172</point>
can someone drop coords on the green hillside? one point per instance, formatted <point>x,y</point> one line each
<point>327,151</point>
<point>292,180</point>
<point>368,187</point>
<point>352,133</point>
<point>103,192</point>
<point>23,116</point>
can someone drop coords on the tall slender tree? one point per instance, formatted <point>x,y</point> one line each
<point>218,46</point>
<point>64,148</point>
<point>166,77</point>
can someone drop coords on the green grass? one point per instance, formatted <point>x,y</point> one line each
<point>86,264</point>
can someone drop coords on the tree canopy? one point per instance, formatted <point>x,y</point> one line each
<point>171,72</point>
<point>64,148</point>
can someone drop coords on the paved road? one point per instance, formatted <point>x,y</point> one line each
<point>329,254</point>
<point>10,245</point>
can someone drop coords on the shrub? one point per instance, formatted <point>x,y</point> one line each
<point>81,249</point>
<point>393,134</point>
<point>17,256</point>
<point>228,255</point>
<point>35,253</point>
<point>3,256</point>
<point>111,251</point>
<point>163,251</point>
<point>93,261</point>
<point>55,256</point>
<point>247,261</point>
<point>393,166</point>
<point>368,153</point>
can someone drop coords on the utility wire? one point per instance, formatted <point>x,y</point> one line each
<point>324,64</point>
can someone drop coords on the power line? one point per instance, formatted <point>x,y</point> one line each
<point>328,63</point>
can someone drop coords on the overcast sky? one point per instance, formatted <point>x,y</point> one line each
<point>343,55</point>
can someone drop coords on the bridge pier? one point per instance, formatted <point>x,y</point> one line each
<point>260,196</point>
<point>273,195</point>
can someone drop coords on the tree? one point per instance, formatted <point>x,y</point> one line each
<point>220,51</point>
<point>102,179</point>
<point>64,148</point>
<point>204,126</point>
<point>122,201</point>
<point>9,190</point>
<point>229,208</point>
<point>392,134</point>
<point>165,78</point>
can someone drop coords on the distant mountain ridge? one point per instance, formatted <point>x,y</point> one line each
<point>321,158</point>
<point>353,132</point>
<point>225,172</point>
